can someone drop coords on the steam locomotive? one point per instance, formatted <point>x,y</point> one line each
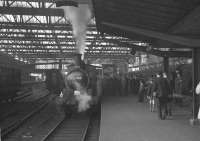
<point>78,89</point>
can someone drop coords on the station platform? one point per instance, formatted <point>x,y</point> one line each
<point>124,119</point>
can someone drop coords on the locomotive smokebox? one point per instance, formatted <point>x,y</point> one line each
<point>77,78</point>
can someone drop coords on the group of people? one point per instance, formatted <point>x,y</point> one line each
<point>160,93</point>
<point>120,85</point>
<point>159,90</point>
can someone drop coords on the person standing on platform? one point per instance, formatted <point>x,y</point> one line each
<point>162,90</point>
<point>178,83</point>
<point>117,86</point>
<point>123,84</point>
<point>133,84</point>
<point>110,86</point>
<point>197,90</point>
<point>105,85</point>
<point>141,91</point>
<point>178,88</point>
<point>114,81</point>
<point>170,96</point>
<point>137,85</point>
<point>126,85</point>
<point>150,96</point>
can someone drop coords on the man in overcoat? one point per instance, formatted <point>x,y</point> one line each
<point>162,89</point>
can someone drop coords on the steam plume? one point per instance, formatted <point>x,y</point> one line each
<point>81,93</point>
<point>82,97</point>
<point>79,18</point>
<point>83,101</point>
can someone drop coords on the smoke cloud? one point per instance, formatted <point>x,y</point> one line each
<point>83,100</point>
<point>82,97</point>
<point>79,18</point>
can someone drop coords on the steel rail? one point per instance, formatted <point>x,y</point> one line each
<point>14,125</point>
<point>69,129</point>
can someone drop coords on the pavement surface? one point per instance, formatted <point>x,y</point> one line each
<point>124,119</point>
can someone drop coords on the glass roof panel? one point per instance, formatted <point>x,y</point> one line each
<point>49,40</point>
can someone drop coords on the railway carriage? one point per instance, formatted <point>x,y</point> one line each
<point>10,83</point>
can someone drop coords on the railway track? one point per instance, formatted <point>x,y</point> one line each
<point>53,127</point>
<point>78,127</point>
<point>14,119</point>
<point>94,127</point>
<point>12,109</point>
<point>71,129</point>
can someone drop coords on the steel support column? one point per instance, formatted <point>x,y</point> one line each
<point>60,64</point>
<point>166,64</point>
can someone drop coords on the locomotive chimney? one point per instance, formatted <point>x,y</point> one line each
<point>78,61</point>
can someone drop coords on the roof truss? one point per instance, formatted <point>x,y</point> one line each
<point>32,29</point>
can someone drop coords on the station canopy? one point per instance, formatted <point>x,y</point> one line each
<point>34,30</point>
